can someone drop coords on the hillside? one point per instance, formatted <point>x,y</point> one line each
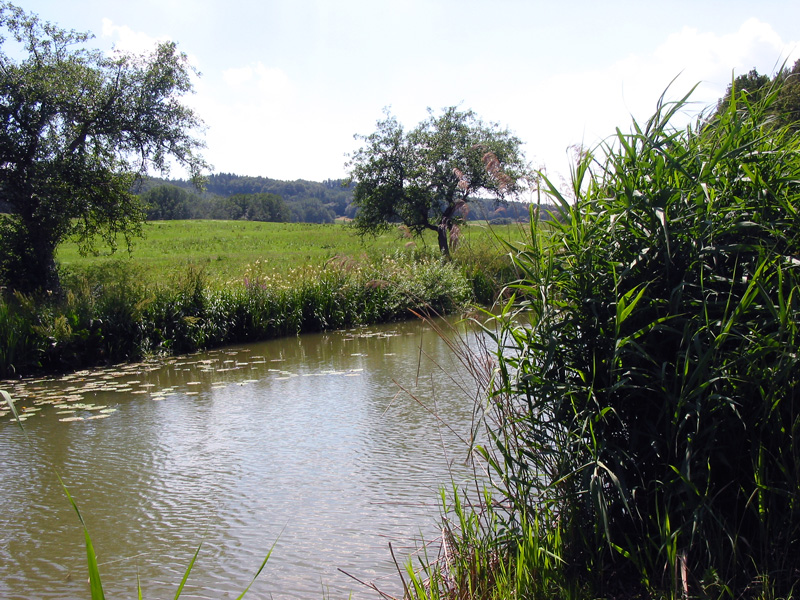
<point>239,197</point>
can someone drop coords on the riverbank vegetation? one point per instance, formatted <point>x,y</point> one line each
<point>192,285</point>
<point>643,411</point>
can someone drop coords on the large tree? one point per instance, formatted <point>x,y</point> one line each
<point>78,129</point>
<point>424,178</point>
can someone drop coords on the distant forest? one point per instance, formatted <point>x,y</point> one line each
<point>235,197</point>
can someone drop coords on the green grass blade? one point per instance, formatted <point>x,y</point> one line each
<point>7,397</point>
<point>261,568</point>
<point>95,584</point>
<point>188,570</point>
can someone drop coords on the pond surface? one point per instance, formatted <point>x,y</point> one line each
<point>326,443</point>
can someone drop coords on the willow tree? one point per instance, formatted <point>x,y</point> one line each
<point>79,128</point>
<point>425,178</point>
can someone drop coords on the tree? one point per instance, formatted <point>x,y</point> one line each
<point>166,203</point>
<point>425,177</point>
<point>258,207</point>
<point>753,88</point>
<point>79,129</point>
<point>788,102</point>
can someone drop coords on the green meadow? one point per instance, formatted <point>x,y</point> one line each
<point>224,250</point>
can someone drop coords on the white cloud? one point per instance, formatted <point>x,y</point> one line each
<point>257,125</point>
<point>584,107</point>
<point>126,39</point>
<point>238,76</point>
<point>263,79</point>
<point>265,120</point>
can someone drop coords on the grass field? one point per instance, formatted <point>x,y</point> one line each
<point>224,249</point>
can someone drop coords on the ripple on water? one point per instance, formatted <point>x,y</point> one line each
<point>307,441</point>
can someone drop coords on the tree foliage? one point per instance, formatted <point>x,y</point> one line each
<point>167,203</point>
<point>78,129</point>
<point>425,177</point>
<point>753,88</point>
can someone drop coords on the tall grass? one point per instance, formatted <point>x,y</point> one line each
<point>113,315</point>
<point>644,412</point>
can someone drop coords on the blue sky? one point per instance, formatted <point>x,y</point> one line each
<point>287,83</point>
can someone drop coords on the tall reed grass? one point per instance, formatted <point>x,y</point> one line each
<point>643,412</point>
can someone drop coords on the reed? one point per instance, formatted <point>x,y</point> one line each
<point>643,411</point>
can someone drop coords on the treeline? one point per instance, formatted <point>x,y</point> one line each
<point>235,197</point>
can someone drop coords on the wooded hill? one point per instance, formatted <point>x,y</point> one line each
<point>237,197</point>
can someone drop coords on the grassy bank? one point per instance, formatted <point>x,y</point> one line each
<point>191,285</point>
<point>643,411</point>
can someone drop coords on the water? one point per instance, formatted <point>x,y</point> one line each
<point>309,441</point>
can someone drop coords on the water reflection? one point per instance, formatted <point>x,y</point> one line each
<point>308,440</point>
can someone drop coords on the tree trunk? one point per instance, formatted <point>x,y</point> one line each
<point>445,226</point>
<point>443,233</point>
<point>29,263</point>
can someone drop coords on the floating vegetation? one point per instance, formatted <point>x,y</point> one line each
<point>86,394</point>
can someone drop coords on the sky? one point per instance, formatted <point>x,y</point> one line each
<point>285,85</point>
